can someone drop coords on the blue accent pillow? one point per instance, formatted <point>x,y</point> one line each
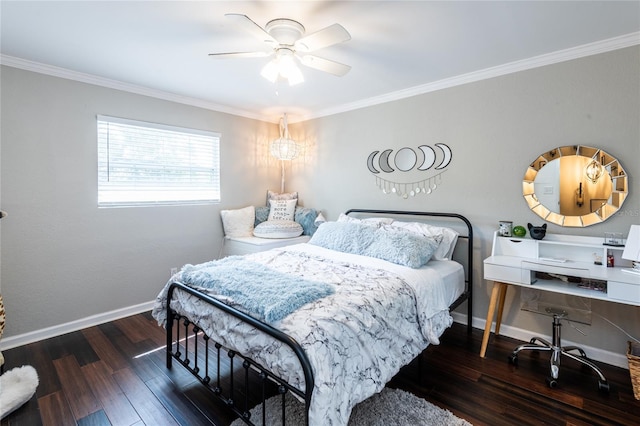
<point>306,217</point>
<point>303,215</point>
<point>393,245</point>
<point>262,214</point>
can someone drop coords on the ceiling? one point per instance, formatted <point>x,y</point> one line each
<point>397,49</point>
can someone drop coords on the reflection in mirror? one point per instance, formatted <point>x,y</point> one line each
<point>575,186</point>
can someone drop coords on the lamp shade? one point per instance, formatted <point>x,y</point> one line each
<point>284,148</point>
<point>632,247</point>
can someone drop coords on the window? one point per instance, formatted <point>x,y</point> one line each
<point>151,164</point>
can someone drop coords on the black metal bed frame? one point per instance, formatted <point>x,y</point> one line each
<point>206,366</point>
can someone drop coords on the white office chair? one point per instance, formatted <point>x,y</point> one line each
<point>557,350</point>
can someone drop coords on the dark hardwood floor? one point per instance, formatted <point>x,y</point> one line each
<point>115,374</point>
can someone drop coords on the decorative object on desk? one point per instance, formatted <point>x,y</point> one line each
<point>597,259</point>
<point>613,239</point>
<point>610,261</point>
<point>632,250</point>
<point>505,228</point>
<point>633,355</point>
<point>519,231</point>
<point>284,148</point>
<point>537,232</point>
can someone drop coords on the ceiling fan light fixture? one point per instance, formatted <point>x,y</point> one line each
<point>271,71</point>
<point>289,70</point>
<point>286,38</point>
<point>283,65</point>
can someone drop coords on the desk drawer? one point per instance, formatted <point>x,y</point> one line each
<point>506,246</point>
<point>507,274</point>
<point>629,293</point>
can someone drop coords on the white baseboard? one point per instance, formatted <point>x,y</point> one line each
<point>597,354</point>
<point>612,358</point>
<point>58,330</point>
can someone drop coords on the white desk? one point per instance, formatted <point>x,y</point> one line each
<point>514,261</point>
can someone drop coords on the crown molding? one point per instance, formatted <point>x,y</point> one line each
<point>577,52</point>
<point>54,71</point>
<point>559,56</point>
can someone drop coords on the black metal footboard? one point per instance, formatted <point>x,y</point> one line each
<point>193,349</point>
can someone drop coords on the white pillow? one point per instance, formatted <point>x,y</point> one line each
<point>448,236</point>
<point>282,196</point>
<point>371,221</point>
<point>238,223</point>
<point>282,209</point>
<point>278,229</point>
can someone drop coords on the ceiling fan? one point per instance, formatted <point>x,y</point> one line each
<point>286,41</point>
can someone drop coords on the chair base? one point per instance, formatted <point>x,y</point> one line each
<point>557,351</point>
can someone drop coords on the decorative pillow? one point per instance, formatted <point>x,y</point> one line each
<point>238,223</point>
<point>278,229</point>
<point>262,214</point>
<point>307,218</point>
<point>447,237</point>
<point>393,245</point>
<point>347,237</point>
<point>371,221</point>
<point>282,209</point>
<point>402,247</point>
<point>283,196</point>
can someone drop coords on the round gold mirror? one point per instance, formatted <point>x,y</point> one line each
<point>575,186</point>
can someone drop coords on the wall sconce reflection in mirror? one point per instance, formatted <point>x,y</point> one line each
<point>579,196</point>
<point>594,170</point>
<point>412,161</point>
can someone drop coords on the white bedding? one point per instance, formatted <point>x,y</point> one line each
<point>380,317</point>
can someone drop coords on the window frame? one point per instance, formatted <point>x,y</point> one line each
<point>194,180</point>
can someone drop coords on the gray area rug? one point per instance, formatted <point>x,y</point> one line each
<point>388,408</point>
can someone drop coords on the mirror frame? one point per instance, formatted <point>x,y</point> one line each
<point>612,167</point>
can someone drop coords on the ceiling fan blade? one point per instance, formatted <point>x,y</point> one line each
<point>240,55</point>
<point>326,65</point>
<point>251,27</point>
<point>328,36</point>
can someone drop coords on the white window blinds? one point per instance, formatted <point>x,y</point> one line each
<point>149,164</point>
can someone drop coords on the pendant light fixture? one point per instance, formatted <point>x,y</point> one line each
<point>284,148</point>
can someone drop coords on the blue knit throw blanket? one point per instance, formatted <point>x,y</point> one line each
<point>262,292</point>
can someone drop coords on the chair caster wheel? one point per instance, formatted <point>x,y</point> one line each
<point>553,383</point>
<point>513,359</point>
<point>603,386</point>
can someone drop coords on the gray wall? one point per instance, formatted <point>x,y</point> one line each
<point>63,259</point>
<point>495,128</point>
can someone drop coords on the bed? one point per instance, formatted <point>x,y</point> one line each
<point>339,318</point>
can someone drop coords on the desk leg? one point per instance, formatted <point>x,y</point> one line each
<point>498,294</point>
<point>501,296</point>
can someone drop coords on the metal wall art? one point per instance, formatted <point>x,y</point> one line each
<point>409,161</point>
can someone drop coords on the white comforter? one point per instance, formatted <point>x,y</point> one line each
<point>380,317</point>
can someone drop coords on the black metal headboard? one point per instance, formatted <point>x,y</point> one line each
<point>468,293</point>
